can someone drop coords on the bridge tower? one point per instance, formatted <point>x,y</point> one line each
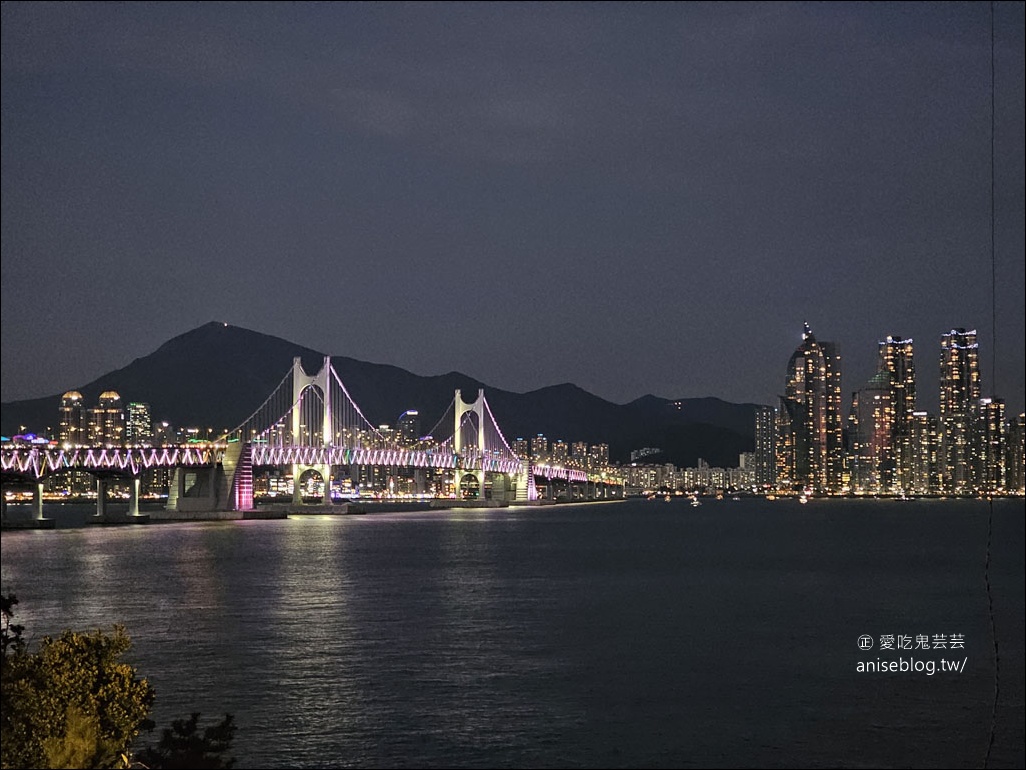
<point>460,408</point>
<point>300,382</point>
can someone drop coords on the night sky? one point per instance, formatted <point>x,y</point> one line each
<point>637,198</point>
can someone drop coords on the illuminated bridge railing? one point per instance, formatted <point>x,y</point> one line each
<point>559,472</point>
<point>266,454</point>
<point>38,463</point>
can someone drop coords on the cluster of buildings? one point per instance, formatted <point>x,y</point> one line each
<point>112,423</point>
<point>876,443</point>
<point>577,454</point>
<point>879,443</point>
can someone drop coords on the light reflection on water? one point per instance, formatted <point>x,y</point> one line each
<point>637,634</point>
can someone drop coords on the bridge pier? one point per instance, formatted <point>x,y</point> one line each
<point>105,516</point>
<point>325,473</point>
<point>133,497</point>
<point>101,498</point>
<point>459,475</point>
<point>37,501</point>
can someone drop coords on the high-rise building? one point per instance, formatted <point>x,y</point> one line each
<point>408,427</point>
<point>1016,455</point>
<point>765,472</point>
<point>990,443</point>
<point>106,426</point>
<point>810,430</point>
<point>72,431</point>
<point>924,468</point>
<point>72,424</point>
<point>896,358</point>
<point>522,448</point>
<point>560,453</point>
<point>579,454</point>
<point>871,436</point>
<point>540,449</point>
<point>599,456</point>
<point>959,400</point>
<point>139,428</point>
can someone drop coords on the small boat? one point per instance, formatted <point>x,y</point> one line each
<point>695,502</point>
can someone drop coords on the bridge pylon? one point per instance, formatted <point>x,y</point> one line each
<point>460,408</point>
<point>300,382</point>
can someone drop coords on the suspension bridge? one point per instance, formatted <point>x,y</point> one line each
<point>311,424</point>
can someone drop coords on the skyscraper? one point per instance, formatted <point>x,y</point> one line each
<point>106,426</point>
<point>871,436</point>
<point>408,427</point>
<point>924,470</point>
<point>139,428</point>
<point>72,425</point>
<point>810,438</point>
<point>897,360</point>
<point>765,475</point>
<point>1016,455</point>
<point>990,444</point>
<point>959,399</point>
<point>540,449</point>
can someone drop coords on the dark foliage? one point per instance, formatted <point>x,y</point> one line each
<point>182,746</point>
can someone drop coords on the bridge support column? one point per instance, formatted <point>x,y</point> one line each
<point>101,499</point>
<point>37,500</point>
<point>459,475</point>
<point>419,481</point>
<point>297,493</point>
<point>133,499</point>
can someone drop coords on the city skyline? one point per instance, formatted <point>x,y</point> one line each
<point>885,446</point>
<point>637,199</point>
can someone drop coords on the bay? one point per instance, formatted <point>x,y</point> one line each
<point>630,634</point>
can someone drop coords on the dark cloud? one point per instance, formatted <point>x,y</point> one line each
<point>633,197</point>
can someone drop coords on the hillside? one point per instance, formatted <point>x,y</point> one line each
<point>216,375</point>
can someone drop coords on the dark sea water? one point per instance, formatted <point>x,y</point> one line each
<point>634,634</point>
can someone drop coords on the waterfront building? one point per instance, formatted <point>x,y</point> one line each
<point>139,426</point>
<point>765,470</point>
<point>810,450</point>
<point>579,454</point>
<point>745,476</point>
<point>599,456</point>
<point>71,430</point>
<point>106,422</point>
<point>1016,455</point>
<point>560,453</point>
<point>540,449</point>
<point>408,427</point>
<point>959,399</point>
<point>924,466</point>
<point>871,437</point>
<point>522,448</point>
<point>897,359</point>
<point>990,443</point>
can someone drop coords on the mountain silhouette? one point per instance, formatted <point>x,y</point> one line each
<point>216,375</point>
